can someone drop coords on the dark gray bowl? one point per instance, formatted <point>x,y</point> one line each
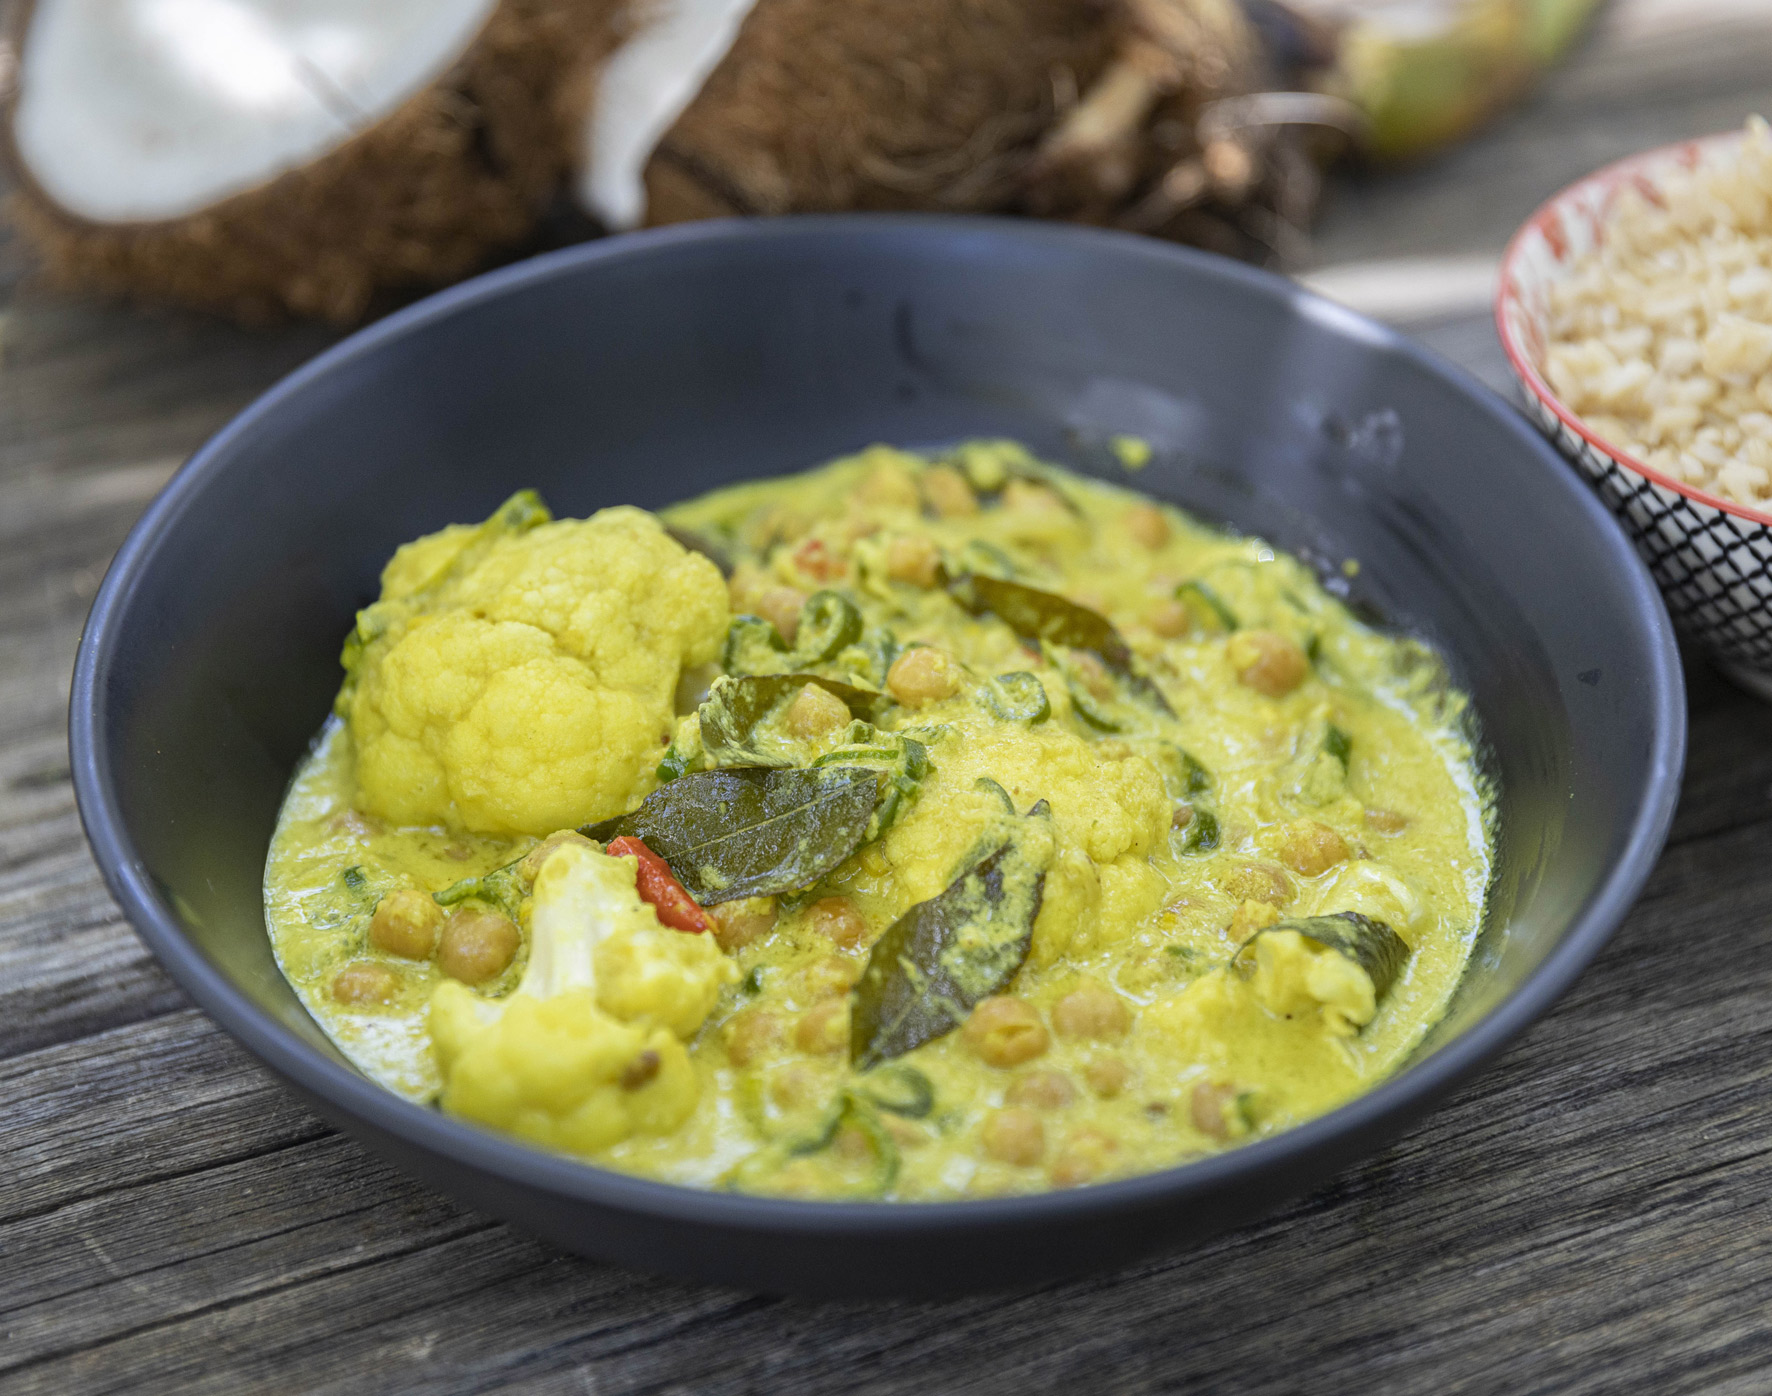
<point>649,368</point>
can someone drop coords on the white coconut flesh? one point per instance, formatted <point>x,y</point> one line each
<point>644,87</point>
<point>148,110</point>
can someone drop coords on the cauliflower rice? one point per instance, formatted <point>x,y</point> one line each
<point>1660,338</point>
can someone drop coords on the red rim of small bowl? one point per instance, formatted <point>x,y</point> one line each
<point>1607,177</point>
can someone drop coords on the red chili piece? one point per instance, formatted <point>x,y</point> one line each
<point>675,907</point>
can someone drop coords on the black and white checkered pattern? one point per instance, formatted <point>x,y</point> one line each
<point>1714,568</point>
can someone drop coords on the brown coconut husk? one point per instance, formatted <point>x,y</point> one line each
<point>875,104</point>
<point>1115,112</point>
<point>458,172</point>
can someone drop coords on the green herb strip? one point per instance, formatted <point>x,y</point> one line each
<point>1017,697</point>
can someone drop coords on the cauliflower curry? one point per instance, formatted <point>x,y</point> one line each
<point>918,827</point>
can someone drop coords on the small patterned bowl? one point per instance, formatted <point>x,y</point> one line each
<point>1711,556</point>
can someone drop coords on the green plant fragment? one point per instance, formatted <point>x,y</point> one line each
<point>944,955</point>
<point>752,831</point>
<point>829,622</point>
<point>499,888</point>
<point>1365,940</point>
<point>1017,697</point>
<point>1055,620</point>
<point>900,1089</point>
<point>737,707</point>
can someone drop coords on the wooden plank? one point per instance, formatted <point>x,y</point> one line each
<point>1581,1145</point>
<point>151,1100</point>
<point>1586,1217</point>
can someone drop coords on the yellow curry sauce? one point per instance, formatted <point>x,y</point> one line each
<point>1167,851</point>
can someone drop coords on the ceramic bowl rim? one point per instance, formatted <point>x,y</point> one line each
<point>1601,181</point>
<point>1394,1101</point>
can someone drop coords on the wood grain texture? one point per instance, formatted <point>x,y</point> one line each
<point>1588,1216</point>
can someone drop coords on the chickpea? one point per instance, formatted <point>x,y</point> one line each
<point>1170,619</point>
<point>948,493</point>
<point>1005,1031</point>
<point>1250,917</point>
<point>406,923</point>
<point>888,485</point>
<point>823,1029</point>
<point>740,923</point>
<point>1090,1010</point>
<point>749,1035</point>
<point>830,977</point>
<point>530,867</point>
<point>912,558</point>
<point>1043,1090</point>
<point>365,982</point>
<point>1107,1076</point>
<point>478,945</point>
<point>796,1085</point>
<point>1260,882</point>
<point>922,675</point>
<point>1267,662</point>
<point>1146,524</point>
<point>853,1145</point>
<point>1015,1136</point>
<point>1310,848</point>
<point>780,606</point>
<point>1085,1156</point>
<point>1386,821</point>
<point>1210,1107</point>
<point>838,921</point>
<point>815,712</point>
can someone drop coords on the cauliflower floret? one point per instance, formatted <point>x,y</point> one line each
<point>1294,978</point>
<point>517,677</point>
<point>589,1048</point>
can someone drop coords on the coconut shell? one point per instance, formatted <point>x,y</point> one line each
<point>824,105</point>
<point>458,172</point>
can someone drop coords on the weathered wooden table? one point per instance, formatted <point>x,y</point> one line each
<point>1590,1215</point>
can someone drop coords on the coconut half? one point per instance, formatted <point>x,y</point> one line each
<point>289,155</point>
<point>712,107</point>
<point>656,72</point>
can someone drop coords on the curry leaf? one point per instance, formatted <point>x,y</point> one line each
<point>1368,942</point>
<point>1043,615</point>
<point>700,543</point>
<point>944,955</point>
<point>752,831</point>
<point>1054,620</point>
<point>735,708</point>
<point>901,761</point>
